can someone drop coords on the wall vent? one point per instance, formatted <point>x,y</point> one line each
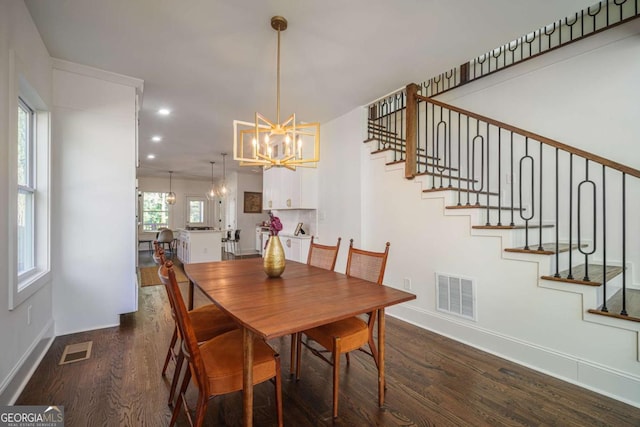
<point>456,295</point>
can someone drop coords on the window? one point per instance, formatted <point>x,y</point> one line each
<point>155,211</point>
<point>196,210</point>
<point>29,207</point>
<point>26,189</point>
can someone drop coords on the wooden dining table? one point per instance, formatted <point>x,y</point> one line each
<point>302,298</point>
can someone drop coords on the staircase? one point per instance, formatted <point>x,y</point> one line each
<point>551,200</point>
<point>543,230</point>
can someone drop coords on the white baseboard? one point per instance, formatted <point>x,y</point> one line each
<point>600,379</point>
<point>17,379</point>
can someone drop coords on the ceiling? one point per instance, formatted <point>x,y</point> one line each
<point>213,61</point>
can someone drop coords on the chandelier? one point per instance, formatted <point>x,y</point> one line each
<point>282,144</point>
<point>211,194</point>
<point>171,196</point>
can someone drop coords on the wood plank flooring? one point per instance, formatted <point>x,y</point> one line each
<point>431,381</point>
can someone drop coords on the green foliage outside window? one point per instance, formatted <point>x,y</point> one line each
<point>155,211</point>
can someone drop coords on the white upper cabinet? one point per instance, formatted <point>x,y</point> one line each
<point>287,189</point>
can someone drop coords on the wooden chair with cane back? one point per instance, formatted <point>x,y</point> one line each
<point>322,256</point>
<point>344,336</point>
<point>207,322</point>
<point>216,366</point>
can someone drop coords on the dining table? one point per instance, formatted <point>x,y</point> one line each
<point>303,297</point>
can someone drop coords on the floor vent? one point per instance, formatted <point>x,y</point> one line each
<point>76,352</point>
<point>456,295</point>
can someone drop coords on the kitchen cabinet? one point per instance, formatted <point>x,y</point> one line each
<point>295,248</point>
<point>283,188</point>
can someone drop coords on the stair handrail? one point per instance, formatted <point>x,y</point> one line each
<point>543,139</point>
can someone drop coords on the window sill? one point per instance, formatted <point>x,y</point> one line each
<point>28,286</point>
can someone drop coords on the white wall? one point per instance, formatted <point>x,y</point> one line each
<point>22,344</point>
<point>586,97</point>
<point>94,130</point>
<point>340,184</point>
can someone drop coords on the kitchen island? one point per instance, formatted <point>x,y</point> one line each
<point>199,245</point>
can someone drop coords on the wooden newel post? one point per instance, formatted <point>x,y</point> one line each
<point>412,134</point>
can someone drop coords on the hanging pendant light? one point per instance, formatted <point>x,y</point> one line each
<point>266,143</point>
<point>223,185</point>
<point>211,194</point>
<point>171,196</point>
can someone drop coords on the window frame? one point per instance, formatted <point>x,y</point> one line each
<point>28,188</point>
<point>23,286</point>
<point>144,211</point>
<point>204,213</point>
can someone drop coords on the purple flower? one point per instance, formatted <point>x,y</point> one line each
<point>274,225</point>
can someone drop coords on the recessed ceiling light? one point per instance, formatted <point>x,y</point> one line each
<point>151,156</point>
<point>164,111</point>
<point>156,138</point>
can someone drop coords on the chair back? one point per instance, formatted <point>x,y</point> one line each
<point>323,256</point>
<point>165,236</point>
<point>367,265</point>
<point>190,347</point>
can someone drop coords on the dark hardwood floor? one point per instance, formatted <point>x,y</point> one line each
<point>431,381</point>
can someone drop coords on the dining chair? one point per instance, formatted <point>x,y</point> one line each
<point>344,336</point>
<point>165,237</point>
<point>322,256</point>
<point>207,322</point>
<point>217,365</point>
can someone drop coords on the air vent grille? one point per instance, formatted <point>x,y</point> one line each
<point>456,295</point>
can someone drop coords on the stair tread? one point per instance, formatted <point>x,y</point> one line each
<point>456,189</point>
<point>595,274</point>
<point>515,208</point>
<point>444,176</point>
<point>614,305</point>
<point>511,227</point>
<point>547,248</point>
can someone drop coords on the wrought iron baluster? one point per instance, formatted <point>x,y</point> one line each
<point>499,177</point>
<point>570,275</point>
<point>586,254</point>
<point>459,162</point>
<point>488,177</point>
<point>449,151</point>
<point>604,240</point>
<point>433,147</point>
<point>473,160</point>
<point>441,129</point>
<point>403,138</point>
<point>624,243</point>
<point>512,177</point>
<point>527,218</point>
<point>549,35</point>
<point>557,274</point>
<point>469,167</point>
<point>593,15</point>
<point>620,4</point>
<point>540,204</point>
<point>570,25</point>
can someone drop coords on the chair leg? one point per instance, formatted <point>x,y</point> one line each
<point>348,359</point>
<point>374,350</point>
<point>298,354</point>
<point>174,338</point>
<point>279,392</point>
<point>176,377</point>
<point>336,375</point>
<point>294,338</point>
<point>201,409</point>
<point>181,401</point>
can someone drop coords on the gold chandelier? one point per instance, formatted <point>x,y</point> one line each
<point>282,144</point>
